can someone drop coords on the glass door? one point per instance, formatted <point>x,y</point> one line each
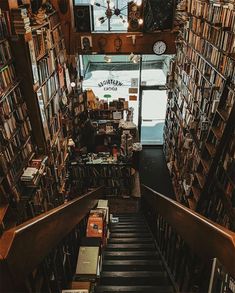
<point>153,114</point>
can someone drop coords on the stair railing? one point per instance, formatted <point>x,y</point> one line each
<point>188,243</point>
<point>40,255</point>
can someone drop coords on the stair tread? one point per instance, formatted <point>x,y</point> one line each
<point>129,229</point>
<point>131,262</point>
<point>130,240</point>
<point>129,221</point>
<point>144,289</point>
<point>131,253</point>
<point>131,274</point>
<point>129,235</point>
<point>129,225</point>
<point>130,245</point>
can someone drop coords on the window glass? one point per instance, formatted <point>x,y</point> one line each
<point>101,22</point>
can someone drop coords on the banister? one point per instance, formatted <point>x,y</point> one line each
<point>24,247</point>
<point>207,239</point>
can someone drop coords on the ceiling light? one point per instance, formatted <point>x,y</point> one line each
<point>140,21</point>
<point>107,59</point>
<point>112,9</point>
<point>134,58</point>
<point>138,2</point>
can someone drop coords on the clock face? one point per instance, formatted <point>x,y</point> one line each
<point>159,47</point>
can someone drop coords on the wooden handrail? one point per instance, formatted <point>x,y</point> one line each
<point>206,238</point>
<point>24,247</point>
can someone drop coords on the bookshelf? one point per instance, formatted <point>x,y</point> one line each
<point>40,61</point>
<point>200,118</point>
<point>16,143</point>
<point>115,176</point>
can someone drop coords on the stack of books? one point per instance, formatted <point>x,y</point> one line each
<point>21,21</point>
<point>30,175</point>
<point>33,173</point>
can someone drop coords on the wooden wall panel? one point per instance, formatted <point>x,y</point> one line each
<point>143,42</point>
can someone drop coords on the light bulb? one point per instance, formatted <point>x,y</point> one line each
<point>140,21</point>
<point>73,84</point>
<point>92,2</point>
<point>138,2</point>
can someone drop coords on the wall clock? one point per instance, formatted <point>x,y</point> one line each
<point>159,47</point>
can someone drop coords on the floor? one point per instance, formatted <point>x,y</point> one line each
<point>154,172</point>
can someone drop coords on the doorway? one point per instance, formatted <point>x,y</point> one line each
<point>153,112</point>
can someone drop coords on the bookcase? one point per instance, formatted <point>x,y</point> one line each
<point>116,177</point>
<point>200,118</point>
<point>16,147</point>
<point>107,125</point>
<point>41,60</point>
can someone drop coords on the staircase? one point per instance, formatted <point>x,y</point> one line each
<point>131,262</point>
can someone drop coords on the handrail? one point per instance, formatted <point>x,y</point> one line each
<point>24,247</point>
<point>207,239</point>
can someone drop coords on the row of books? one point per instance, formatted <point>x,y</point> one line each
<point>54,126</point>
<point>56,35</point>
<point>7,77</point>
<point>49,88</point>
<point>16,142</point>
<point>222,39</point>
<point>5,53</point>
<point>52,108</point>
<point>18,162</point>
<point>4,24</point>
<point>14,97</point>
<point>205,67</point>
<point>216,13</point>
<point>211,53</point>
<point>39,42</point>
<point>20,20</point>
<point>19,113</point>
<point>46,67</point>
<point>83,171</point>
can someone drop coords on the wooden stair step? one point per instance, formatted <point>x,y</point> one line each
<point>129,230</point>
<point>131,240</point>
<point>130,278</point>
<point>132,265</point>
<point>137,289</point>
<point>125,255</point>
<point>131,246</point>
<point>130,235</point>
<point>130,225</point>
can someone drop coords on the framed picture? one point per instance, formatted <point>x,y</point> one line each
<point>86,43</point>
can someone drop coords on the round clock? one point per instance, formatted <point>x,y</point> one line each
<point>159,47</point>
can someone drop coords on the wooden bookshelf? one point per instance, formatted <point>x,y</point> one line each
<point>200,114</point>
<point>40,62</point>
<point>16,143</point>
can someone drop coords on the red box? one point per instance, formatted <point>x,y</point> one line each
<point>96,224</point>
